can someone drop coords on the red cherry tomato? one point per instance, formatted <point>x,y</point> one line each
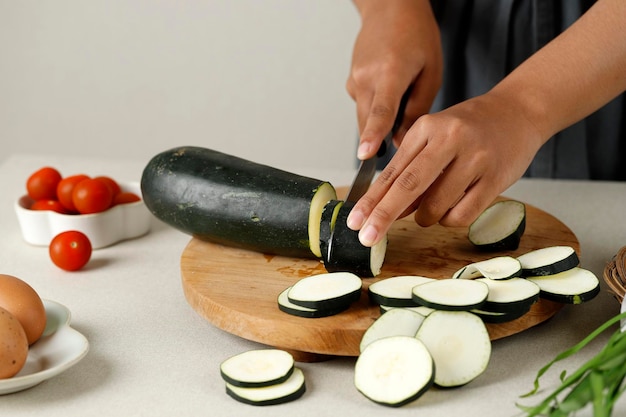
<point>113,185</point>
<point>42,184</point>
<point>65,189</point>
<point>53,205</point>
<point>125,197</point>
<point>70,250</point>
<point>92,196</point>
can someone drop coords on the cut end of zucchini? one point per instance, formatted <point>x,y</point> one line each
<point>325,193</point>
<point>499,227</point>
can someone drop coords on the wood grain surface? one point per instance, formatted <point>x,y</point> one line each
<point>236,290</point>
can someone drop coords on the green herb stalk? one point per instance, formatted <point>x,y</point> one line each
<point>599,382</point>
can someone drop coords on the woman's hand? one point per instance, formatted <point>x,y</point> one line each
<point>398,48</point>
<point>450,167</point>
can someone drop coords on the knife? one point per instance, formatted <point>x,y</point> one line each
<point>367,167</point>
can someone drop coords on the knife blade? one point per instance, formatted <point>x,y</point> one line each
<point>365,174</point>
<point>367,167</point>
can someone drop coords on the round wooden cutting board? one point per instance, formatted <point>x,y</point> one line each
<point>236,290</point>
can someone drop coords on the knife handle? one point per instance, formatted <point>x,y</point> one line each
<point>386,143</point>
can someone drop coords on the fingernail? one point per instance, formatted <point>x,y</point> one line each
<point>368,235</point>
<point>363,150</point>
<point>355,220</point>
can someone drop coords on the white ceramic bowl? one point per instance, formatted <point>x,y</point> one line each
<point>125,221</point>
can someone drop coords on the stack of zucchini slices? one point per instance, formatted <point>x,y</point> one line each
<point>263,377</point>
<point>433,331</point>
<point>321,295</point>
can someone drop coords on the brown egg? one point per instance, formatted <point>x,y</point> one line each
<point>13,345</point>
<point>23,302</point>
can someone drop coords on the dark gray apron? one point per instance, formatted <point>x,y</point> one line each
<point>483,40</point>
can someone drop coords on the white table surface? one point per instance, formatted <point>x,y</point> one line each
<point>151,354</point>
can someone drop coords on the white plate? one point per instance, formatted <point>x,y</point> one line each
<point>125,221</point>
<point>59,348</point>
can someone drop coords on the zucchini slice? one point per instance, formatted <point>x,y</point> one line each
<point>288,307</point>
<point>236,202</point>
<point>574,286</point>
<point>498,268</point>
<point>499,227</point>
<point>451,294</point>
<point>292,389</point>
<point>331,290</point>
<point>396,322</point>
<point>344,250</point>
<point>257,368</point>
<point>396,291</point>
<point>394,371</point>
<point>548,261</point>
<point>510,296</point>
<point>459,343</point>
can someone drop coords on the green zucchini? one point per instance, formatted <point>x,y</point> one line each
<point>236,202</point>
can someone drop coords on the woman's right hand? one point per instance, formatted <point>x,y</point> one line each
<point>398,48</point>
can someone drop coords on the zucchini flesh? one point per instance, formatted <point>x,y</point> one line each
<point>292,389</point>
<point>346,253</point>
<point>236,202</point>
<point>574,286</point>
<point>288,307</point>
<point>451,294</point>
<point>499,227</point>
<point>326,291</point>
<point>498,268</point>
<point>459,344</point>
<point>396,291</point>
<point>396,322</point>
<point>257,368</point>
<point>548,261</point>
<point>394,371</point>
<point>510,296</point>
